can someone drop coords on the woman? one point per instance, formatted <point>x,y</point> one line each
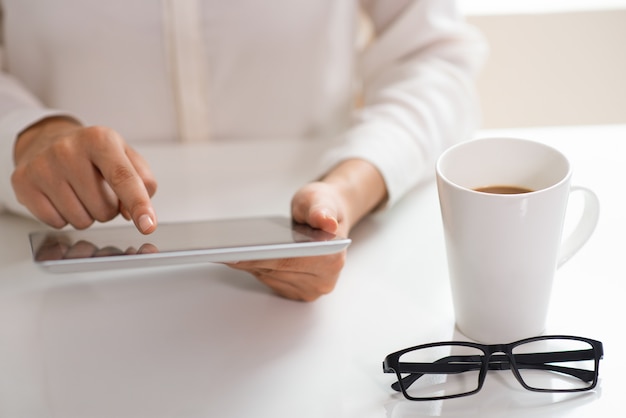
<point>84,79</point>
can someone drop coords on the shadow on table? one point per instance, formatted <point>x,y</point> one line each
<point>494,401</point>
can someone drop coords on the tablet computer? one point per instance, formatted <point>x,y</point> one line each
<point>222,240</point>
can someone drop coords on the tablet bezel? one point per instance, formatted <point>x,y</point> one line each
<point>290,240</point>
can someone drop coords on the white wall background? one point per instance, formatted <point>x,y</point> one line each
<point>552,62</point>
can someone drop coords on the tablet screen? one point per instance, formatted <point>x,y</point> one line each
<point>213,240</point>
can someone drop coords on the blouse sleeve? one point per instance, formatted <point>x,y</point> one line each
<point>418,90</point>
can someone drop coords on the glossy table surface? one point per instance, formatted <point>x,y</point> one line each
<point>208,341</point>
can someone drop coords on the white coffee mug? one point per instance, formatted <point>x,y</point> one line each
<point>503,249</point>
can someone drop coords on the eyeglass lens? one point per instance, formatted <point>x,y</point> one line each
<point>556,364</point>
<point>446,370</point>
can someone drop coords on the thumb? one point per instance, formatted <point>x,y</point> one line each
<point>316,206</point>
<point>324,218</point>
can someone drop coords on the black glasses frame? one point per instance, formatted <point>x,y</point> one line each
<point>496,357</point>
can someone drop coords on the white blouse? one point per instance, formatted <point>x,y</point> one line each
<point>196,70</point>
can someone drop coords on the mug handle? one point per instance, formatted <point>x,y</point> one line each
<point>584,229</point>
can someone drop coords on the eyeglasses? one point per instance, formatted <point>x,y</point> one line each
<point>552,363</point>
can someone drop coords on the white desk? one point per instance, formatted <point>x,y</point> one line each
<point>207,341</point>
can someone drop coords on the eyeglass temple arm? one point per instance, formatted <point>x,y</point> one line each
<point>461,364</point>
<point>540,361</point>
<point>440,366</point>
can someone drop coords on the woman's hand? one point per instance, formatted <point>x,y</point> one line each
<point>69,174</point>
<point>335,204</point>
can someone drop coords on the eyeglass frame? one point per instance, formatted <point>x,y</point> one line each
<point>505,361</point>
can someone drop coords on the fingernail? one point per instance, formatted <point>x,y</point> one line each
<point>145,223</point>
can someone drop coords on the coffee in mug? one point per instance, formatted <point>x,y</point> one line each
<point>503,189</point>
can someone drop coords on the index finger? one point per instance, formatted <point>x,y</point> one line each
<point>109,156</point>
